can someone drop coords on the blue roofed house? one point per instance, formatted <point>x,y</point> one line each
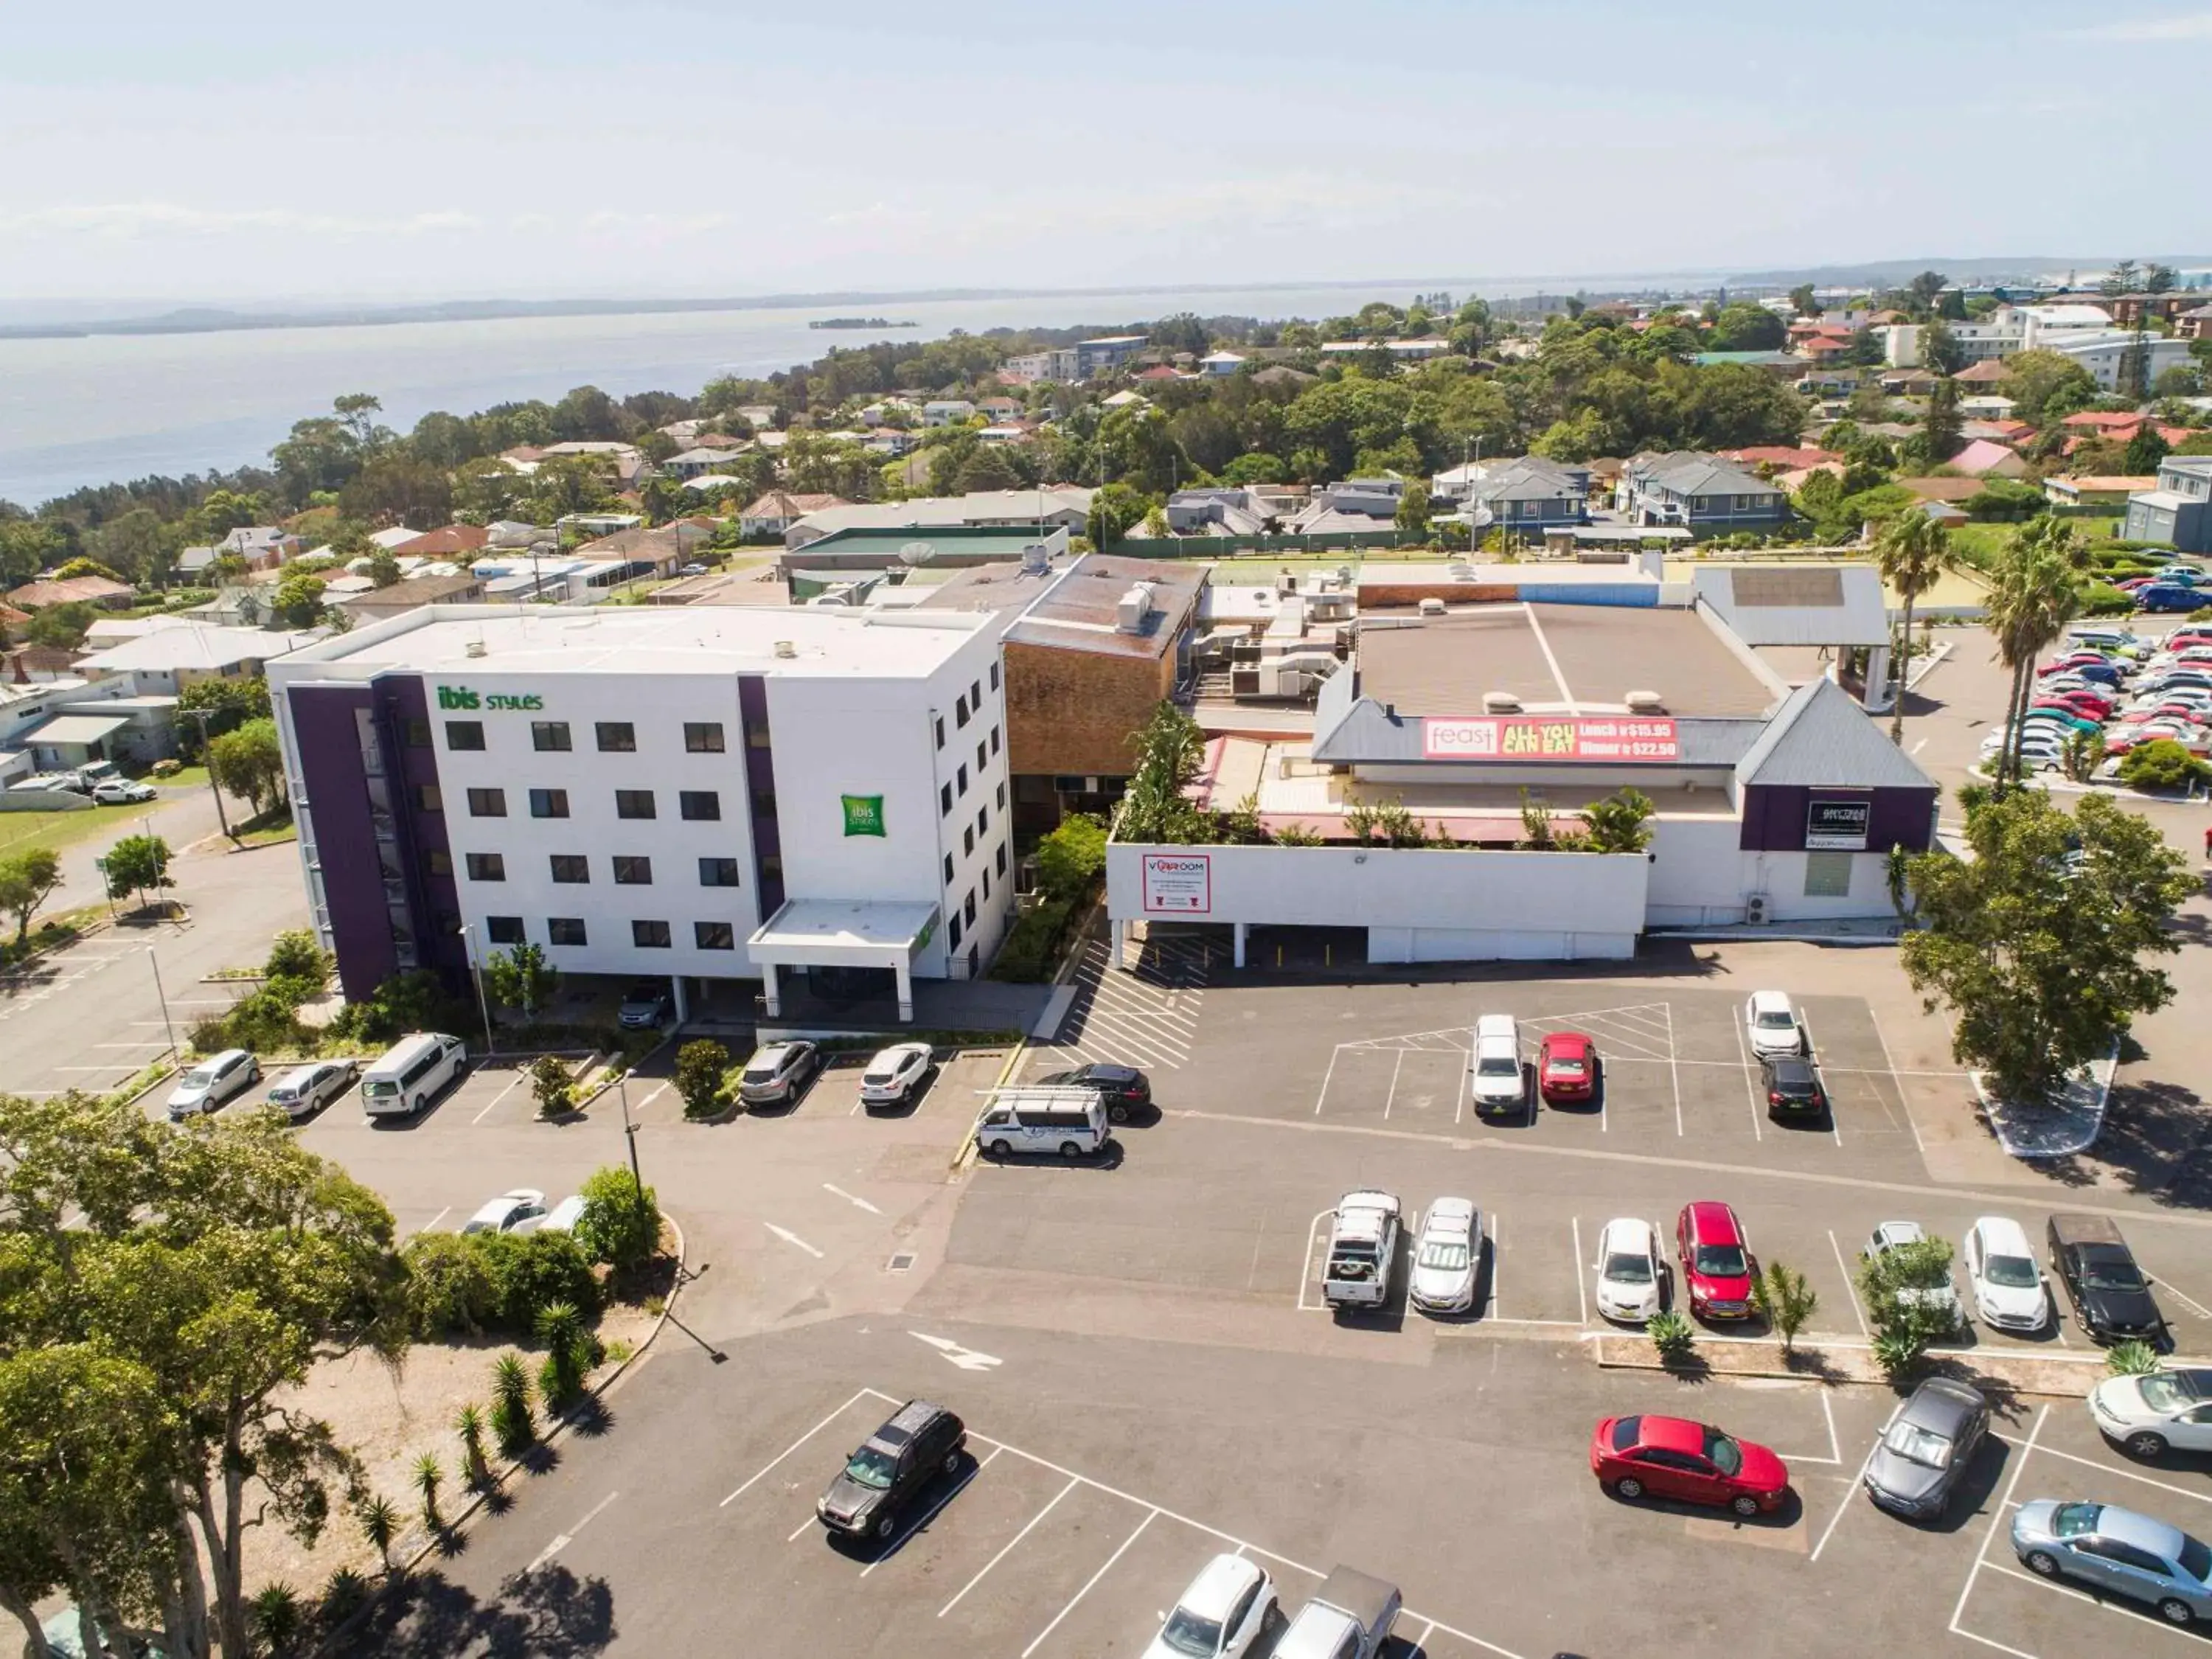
<point>2179,511</point>
<point>1705,495</point>
<point>1532,494</point>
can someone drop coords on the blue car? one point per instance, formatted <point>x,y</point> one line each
<point>2168,596</point>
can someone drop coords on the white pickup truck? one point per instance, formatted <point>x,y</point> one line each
<point>1363,1251</point>
<point>1349,1617</point>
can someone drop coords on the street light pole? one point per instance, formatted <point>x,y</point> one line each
<point>164,998</point>
<point>476,977</point>
<point>202,715</point>
<point>629,1129</point>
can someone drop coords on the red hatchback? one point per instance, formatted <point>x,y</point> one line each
<point>1566,1067</point>
<point>1691,1462</point>
<point>1716,1263</point>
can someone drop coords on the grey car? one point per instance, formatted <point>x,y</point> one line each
<point>2119,1552</point>
<point>1926,1449</point>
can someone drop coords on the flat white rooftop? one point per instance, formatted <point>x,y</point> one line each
<point>542,639</point>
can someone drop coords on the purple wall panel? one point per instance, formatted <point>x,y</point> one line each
<point>1774,817</point>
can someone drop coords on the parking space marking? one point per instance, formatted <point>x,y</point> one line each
<point>2187,1300</point>
<point>1392,1096</point>
<point>1996,1519</point>
<point>1750,1088</point>
<point>1073,1481</point>
<point>863,1395</point>
<point>803,1527</point>
<point>1582,1289</point>
<point>2081,1594</point>
<point>1890,1060</point>
<point>858,1203</point>
<point>1850,1293</point>
<point>1640,1031</point>
<point>562,1541</point>
<point>2131,1474</point>
<point>1151,1517</point>
<point>431,1225</point>
<point>1306,1268</point>
<point>512,1086</point>
<point>1325,1077</point>
<point>1851,1492</point>
<point>1673,1070</point>
<point>1147,1013</point>
<point>929,1515</point>
<point>1497,1256</point>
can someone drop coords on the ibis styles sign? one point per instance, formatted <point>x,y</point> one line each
<point>460,697</point>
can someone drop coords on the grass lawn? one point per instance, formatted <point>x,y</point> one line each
<point>21,831</point>
<point>267,830</point>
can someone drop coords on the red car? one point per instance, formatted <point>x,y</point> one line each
<point>1717,1261</point>
<point>2086,703</point>
<point>1690,1462</point>
<point>2073,659</point>
<point>1566,1067</point>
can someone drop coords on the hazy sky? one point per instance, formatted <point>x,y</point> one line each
<point>404,148</point>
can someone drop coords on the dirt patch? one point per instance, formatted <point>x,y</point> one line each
<point>390,1417</point>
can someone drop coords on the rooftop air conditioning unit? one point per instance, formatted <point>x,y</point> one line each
<point>1500,702</point>
<point>1758,909</point>
<point>1646,702</point>
<point>1433,607</point>
<point>473,649</point>
<point>1462,571</point>
<point>1134,606</point>
<point>786,649</point>
<point>1037,559</point>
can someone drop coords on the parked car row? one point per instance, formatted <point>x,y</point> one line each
<point>779,1073</point>
<point>2126,689</point>
<point>523,1211</point>
<point>403,1080</point>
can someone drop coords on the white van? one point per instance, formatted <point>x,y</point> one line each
<point>1069,1121</point>
<point>1494,1068</point>
<point>411,1074</point>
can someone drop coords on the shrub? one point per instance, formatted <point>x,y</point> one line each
<point>2162,764</point>
<point>343,1597</point>
<point>1787,1299</point>
<point>513,1422</point>
<point>1672,1335</point>
<point>621,1222</point>
<point>1031,948</point>
<point>1899,1352</point>
<point>549,1083</point>
<point>451,1288</point>
<point>1071,857</point>
<point>166,769</point>
<point>700,1065</point>
<point>2103,599</point>
<point>412,1001</point>
<point>570,1352</point>
<point>468,1424</point>
<point>276,1618</point>
<point>262,1021</point>
<point>2131,1359</point>
<point>536,1270</point>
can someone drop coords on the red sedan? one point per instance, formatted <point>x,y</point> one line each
<point>1566,1067</point>
<point>1716,1260</point>
<point>1690,1462</point>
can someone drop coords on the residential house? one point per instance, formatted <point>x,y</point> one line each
<point>2179,509</point>
<point>1404,350</point>
<point>659,552</point>
<point>72,590</point>
<point>167,661</point>
<point>1108,351</point>
<point>196,563</point>
<point>1529,495</point>
<point>2127,308</point>
<point>1220,363</point>
<point>1064,505</point>
<point>2194,323</point>
<point>1157,373</point>
<point>779,510</point>
<point>1982,459</point>
<point>999,410</point>
<point>1791,457</point>
<point>947,411</point>
<point>2105,356</point>
<point>759,416</point>
<point>1124,399</point>
<point>1986,408</point>
<point>1218,512</point>
<point>379,603</point>
<point>263,547</point>
<point>694,464</point>
<point>2094,490</point>
<point>1990,371</point>
<point>1700,493</point>
<point>889,440</point>
<point>1058,363</point>
<point>1782,365</point>
<point>455,541</point>
<point>1948,490</point>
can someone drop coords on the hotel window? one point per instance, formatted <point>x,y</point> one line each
<point>1828,875</point>
<point>967,909</point>
<point>952,935</point>
<point>771,866</point>
<point>994,677</point>
<point>960,710</point>
<point>994,739</point>
<point>465,734</point>
<point>763,804</point>
<point>616,738</point>
<point>975,696</point>
<point>549,737</point>
<point>438,864</point>
<point>982,820</point>
<point>633,870</point>
<point>503,930</point>
<point>487,803</point>
<point>1002,795</point>
<point>486,866</point>
<point>948,869</point>
<point>702,737</point>
<point>699,805</point>
<point>983,759</point>
<point>634,803</point>
<point>986,884</point>
<point>963,777</point>
<point>548,803</point>
<point>564,930</point>
<point>713,936</point>
<point>944,800</point>
<point>757,735</point>
<point>649,935</point>
<point>718,872</point>
<point>938,722</point>
<point>418,732</point>
<point>571,867</point>
<point>1002,859</point>
<point>428,798</point>
<point>968,844</point>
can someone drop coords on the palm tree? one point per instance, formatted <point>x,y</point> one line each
<point>468,1424</point>
<point>379,1524</point>
<point>1912,551</point>
<point>2035,593</point>
<point>428,1477</point>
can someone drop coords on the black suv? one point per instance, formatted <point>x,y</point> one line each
<point>2110,1296</point>
<point>1125,1090</point>
<point>882,1479</point>
<point>1793,1085</point>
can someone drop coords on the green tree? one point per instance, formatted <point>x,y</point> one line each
<point>1071,857</point>
<point>27,880</point>
<point>136,864</point>
<point>383,568</point>
<point>228,705</point>
<point>1169,750</point>
<point>2144,451</point>
<point>1941,427</point>
<point>1413,510</point>
<point>429,1475</point>
<point>1913,552</point>
<point>61,627</point>
<point>298,598</point>
<point>700,1065</point>
<point>379,1525</point>
<point>2162,764</point>
<point>621,1222</point>
<point>2037,945</point>
<point>522,978</point>
<point>569,1349</point>
<point>1801,297</point>
<point>469,1425</point>
<point>2046,386</point>
<point>551,1085</point>
<point>1115,511</point>
<point>250,762</point>
<point>1746,327</point>
<point>1940,350</point>
<point>1787,1299</point>
<point>513,1422</point>
<point>1621,822</point>
<point>2035,590</point>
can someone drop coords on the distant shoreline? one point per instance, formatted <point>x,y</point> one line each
<point>859,322</point>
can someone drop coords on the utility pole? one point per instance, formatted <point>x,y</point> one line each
<point>202,715</point>
<point>476,977</point>
<point>164,998</point>
<point>629,1129</point>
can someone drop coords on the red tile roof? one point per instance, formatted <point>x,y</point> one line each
<point>444,543</point>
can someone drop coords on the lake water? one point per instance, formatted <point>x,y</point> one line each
<point>113,407</point>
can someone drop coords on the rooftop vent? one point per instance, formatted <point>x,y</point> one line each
<point>1433,607</point>
<point>1500,702</point>
<point>473,649</point>
<point>1135,605</point>
<point>786,649</point>
<point>1462,571</point>
<point>1646,702</point>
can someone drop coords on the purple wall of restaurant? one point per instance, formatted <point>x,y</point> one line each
<point>434,900</point>
<point>760,781</point>
<point>1774,817</point>
<point>329,742</point>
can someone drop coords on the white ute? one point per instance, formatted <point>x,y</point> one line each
<point>1349,1617</point>
<point>1363,1251</point>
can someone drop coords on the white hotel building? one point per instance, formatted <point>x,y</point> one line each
<point>706,794</point>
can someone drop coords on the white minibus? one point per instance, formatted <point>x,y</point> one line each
<point>411,1074</point>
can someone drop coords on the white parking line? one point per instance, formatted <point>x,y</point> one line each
<point>1674,1068</point>
<point>1852,1494</point>
<point>861,1203</point>
<point>1750,1088</point>
<point>1894,1074</point>
<point>498,1098</point>
<point>1325,1077</point>
<point>801,1440</point>
<point>432,1224</point>
<point>1996,1520</point>
<point>1151,1516</point>
<point>2187,1300</point>
<point>930,1514</point>
<point>1812,1048</point>
<point>1582,1290</point>
<point>562,1541</point>
<point>1390,1098</point>
<point>1851,1294</point>
<point>1073,1481</point>
<point>2080,1593</point>
<point>1496,1256</point>
<point>2107,1468</point>
<point>1306,1265</point>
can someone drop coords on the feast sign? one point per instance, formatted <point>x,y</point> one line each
<point>1540,738</point>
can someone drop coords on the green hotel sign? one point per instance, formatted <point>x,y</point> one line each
<point>864,814</point>
<point>460,697</point>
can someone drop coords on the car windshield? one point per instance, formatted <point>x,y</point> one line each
<point>377,1087</point>
<point>1918,1445</point>
<point>2111,1276</point>
<point>1776,1020</point>
<point>1188,1632</point>
<point>1727,1456</point>
<point>2072,1519</point>
<point>1624,1431</point>
<point>2162,1391</point>
<point>1623,1268</point>
<point>1446,1254</point>
<point>871,1467</point>
<point>199,1076</point>
<point>1499,1066</point>
<point>1722,1260</point>
<point>2014,1271</point>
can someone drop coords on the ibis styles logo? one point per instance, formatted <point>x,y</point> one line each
<point>460,697</point>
